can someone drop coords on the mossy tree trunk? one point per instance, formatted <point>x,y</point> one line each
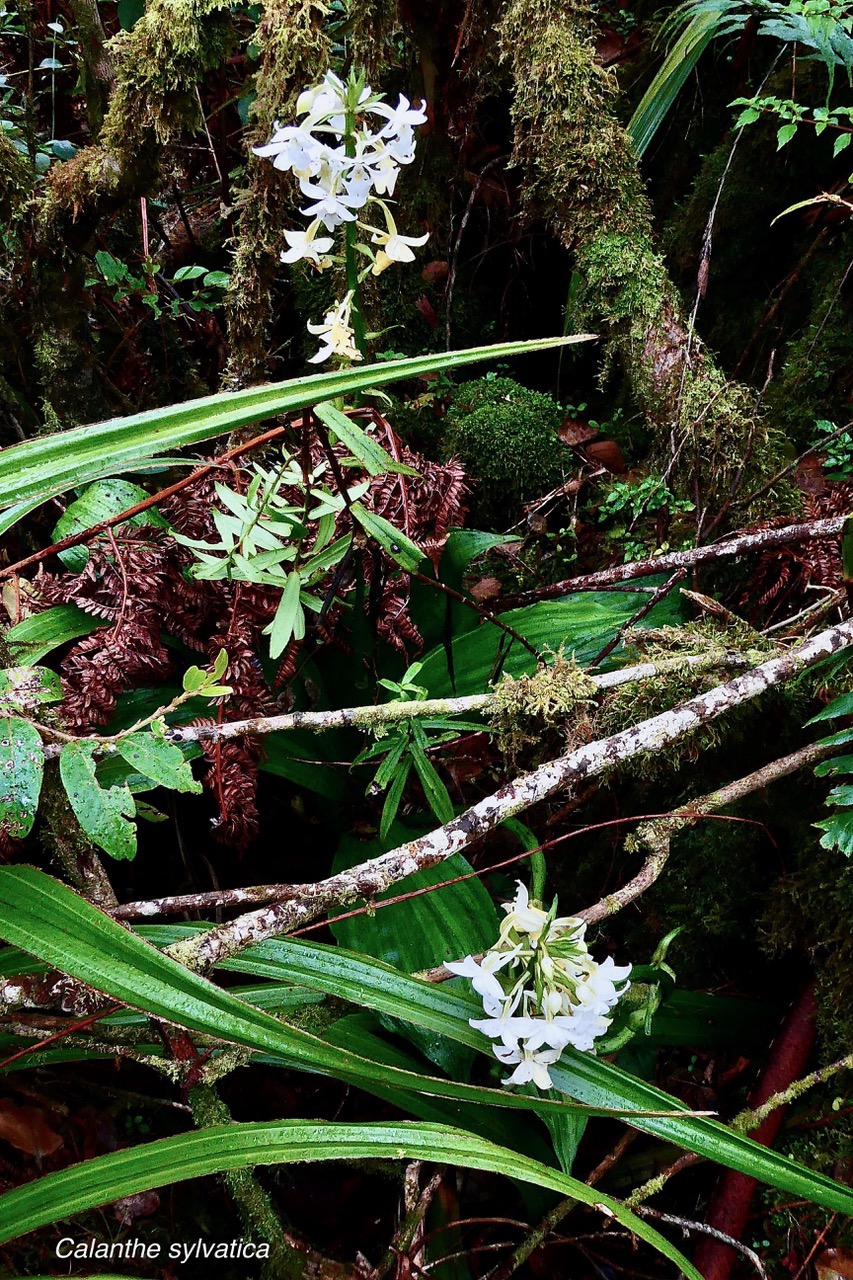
<point>294,50</point>
<point>157,67</point>
<point>582,178</point>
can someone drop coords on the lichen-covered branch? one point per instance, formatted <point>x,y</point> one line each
<point>308,901</point>
<point>738,545</point>
<point>657,835</point>
<point>305,902</point>
<point>386,713</point>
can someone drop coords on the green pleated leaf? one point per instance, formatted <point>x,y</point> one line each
<point>32,638</point>
<point>21,771</point>
<point>582,624</point>
<point>104,813</point>
<point>42,467</point>
<point>66,932</point>
<point>241,1146</point>
<point>49,921</point>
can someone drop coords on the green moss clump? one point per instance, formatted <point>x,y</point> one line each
<point>518,709</point>
<point>506,435</point>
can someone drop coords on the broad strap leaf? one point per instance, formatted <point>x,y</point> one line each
<point>39,468</point>
<point>240,1146</point>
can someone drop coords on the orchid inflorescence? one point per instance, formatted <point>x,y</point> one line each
<point>541,989</point>
<point>344,166</point>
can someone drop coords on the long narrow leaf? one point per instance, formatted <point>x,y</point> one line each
<point>40,468</point>
<point>241,1146</point>
<point>669,81</point>
<point>49,921</point>
<point>65,931</point>
<point>374,985</point>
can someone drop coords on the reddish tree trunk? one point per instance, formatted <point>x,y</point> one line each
<point>732,1198</point>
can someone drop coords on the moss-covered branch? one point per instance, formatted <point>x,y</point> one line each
<point>582,178</point>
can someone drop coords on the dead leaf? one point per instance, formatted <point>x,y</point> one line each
<point>27,1130</point>
<point>608,455</point>
<point>834,1264</point>
<point>435,272</point>
<point>486,589</point>
<point>574,431</point>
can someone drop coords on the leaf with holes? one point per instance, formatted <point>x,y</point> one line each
<point>25,688</point>
<point>101,501</point>
<point>21,769</point>
<point>102,813</point>
<point>406,553</point>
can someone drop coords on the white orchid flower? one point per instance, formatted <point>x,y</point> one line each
<point>532,1067</point>
<point>557,994</point>
<point>384,167</point>
<point>599,990</point>
<point>393,247</point>
<point>358,184</point>
<point>330,206</point>
<point>522,917</point>
<point>323,99</point>
<point>508,1029</point>
<point>308,246</point>
<point>293,148</point>
<point>400,118</point>
<point>482,976</point>
<point>336,333</point>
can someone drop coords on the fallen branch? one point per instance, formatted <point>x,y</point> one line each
<point>306,902</point>
<point>386,713</point>
<point>657,834</point>
<point>733,546</point>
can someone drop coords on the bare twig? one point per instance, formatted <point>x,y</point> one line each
<point>736,545</point>
<point>657,835</point>
<point>641,613</point>
<point>687,1224</point>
